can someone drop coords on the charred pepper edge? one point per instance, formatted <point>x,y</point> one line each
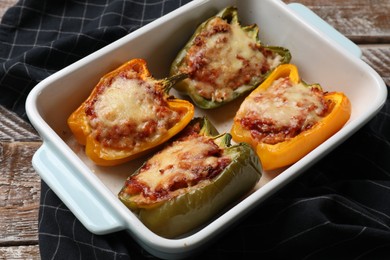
<point>189,211</point>
<point>290,151</point>
<point>231,15</point>
<point>105,156</point>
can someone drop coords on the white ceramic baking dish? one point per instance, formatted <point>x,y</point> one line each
<point>322,55</point>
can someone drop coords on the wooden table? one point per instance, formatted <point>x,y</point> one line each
<point>367,23</point>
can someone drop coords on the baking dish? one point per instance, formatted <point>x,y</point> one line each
<point>90,192</point>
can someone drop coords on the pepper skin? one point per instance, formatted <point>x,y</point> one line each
<point>213,79</point>
<point>200,203</point>
<point>273,156</point>
<point>105,155</point>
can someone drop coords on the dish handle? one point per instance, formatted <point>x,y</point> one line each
<point>313,19</point>
<point>91,209</point>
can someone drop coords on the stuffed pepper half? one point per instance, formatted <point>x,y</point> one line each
<point>191,180</point>
<point>127,114</point>
<point>224,60</point>
<point>285,118</point>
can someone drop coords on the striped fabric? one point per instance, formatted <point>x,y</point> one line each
<point>337,209</point>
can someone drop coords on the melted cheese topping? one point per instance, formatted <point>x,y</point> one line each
<point>130,112</point>
<point>122,101</point>
<point>180,166</point>
<point>282,111</point>
<point>174,163</point>
<point>224,58</point>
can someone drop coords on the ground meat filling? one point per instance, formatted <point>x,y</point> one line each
<point>282,111</point>
<point>129,111</point>
<point>188,162</point>
<point>223,58</point>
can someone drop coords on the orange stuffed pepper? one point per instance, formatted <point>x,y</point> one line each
<point>127,114</point>
<point>284,118</point>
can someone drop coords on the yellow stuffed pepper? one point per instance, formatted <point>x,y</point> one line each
<point>284,118</point>
<point>127,114</point>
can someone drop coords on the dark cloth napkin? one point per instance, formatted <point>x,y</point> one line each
<point>337,209</point>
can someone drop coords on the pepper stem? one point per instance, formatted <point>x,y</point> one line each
<point>169,82</point>
<point>223,140</point>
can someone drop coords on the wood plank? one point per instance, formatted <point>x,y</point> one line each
<point>20,252</point>
<point>19,194</point>
<point>19,201</point>
<point>5,4</point>
<point>13,128</point>
<point>378,57</point>
<point>361,21</point>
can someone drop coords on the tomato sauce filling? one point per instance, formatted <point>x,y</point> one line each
<point>187,162</point>
<point>128,111</point>
<point>282,111</point>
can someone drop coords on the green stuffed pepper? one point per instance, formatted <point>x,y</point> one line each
<point>191,180</point>
<point>224,60</point>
